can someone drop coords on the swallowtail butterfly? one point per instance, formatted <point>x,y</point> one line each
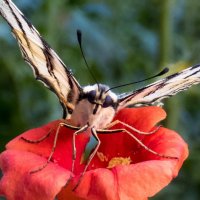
<point>91,107</point>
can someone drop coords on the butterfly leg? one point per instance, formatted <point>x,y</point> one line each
<point>38,140</point>
<point>52,150</point>
<point>54,144</point>
<point>132,128</point>
<point>48,134</point>
<point>94,133</point>
<point>138,141</point>
<point>147,148</point>
<point>80,130</point>
<point>74,144</point>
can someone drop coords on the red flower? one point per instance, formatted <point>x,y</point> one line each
<point>140,175</point>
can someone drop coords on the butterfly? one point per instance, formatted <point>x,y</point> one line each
<point>94,106</point>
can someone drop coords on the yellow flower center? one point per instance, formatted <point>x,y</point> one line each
<point>114,161</point>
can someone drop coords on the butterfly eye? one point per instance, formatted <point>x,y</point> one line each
<point>91,96</point>
<point>108,101</point>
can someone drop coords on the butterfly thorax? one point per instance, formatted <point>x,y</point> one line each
<point>96,107</point>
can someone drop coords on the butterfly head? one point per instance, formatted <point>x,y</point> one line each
<point>96,106</point>
<point>99,95</point>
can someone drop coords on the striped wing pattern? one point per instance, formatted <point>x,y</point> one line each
<point>49,68</point>
<point>161,89</point>
<point>46,65</point>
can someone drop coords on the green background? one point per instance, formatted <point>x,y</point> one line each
<point>123,41</point>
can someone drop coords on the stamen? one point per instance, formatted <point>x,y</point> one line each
<point>102,157</point>
<point>119,161</point>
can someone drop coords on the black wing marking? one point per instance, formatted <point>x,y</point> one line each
<point>161,89</point>
<point>46,64</point>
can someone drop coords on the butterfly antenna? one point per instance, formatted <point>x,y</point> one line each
<point>164,71</point>
<point>79,37</point>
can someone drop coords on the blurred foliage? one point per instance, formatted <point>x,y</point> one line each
<point>123,42</point>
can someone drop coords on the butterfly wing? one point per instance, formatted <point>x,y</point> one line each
<point>46,65</point>
<point>164,88</point>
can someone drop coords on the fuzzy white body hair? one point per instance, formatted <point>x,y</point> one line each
<point>83,114</point>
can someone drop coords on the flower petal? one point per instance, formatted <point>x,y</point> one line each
<point>63,150</point>
<point>18,183</point>
<point>143,118</point>
<point>137,181</point>
<point>147,176</point>
<point>121,144</point>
